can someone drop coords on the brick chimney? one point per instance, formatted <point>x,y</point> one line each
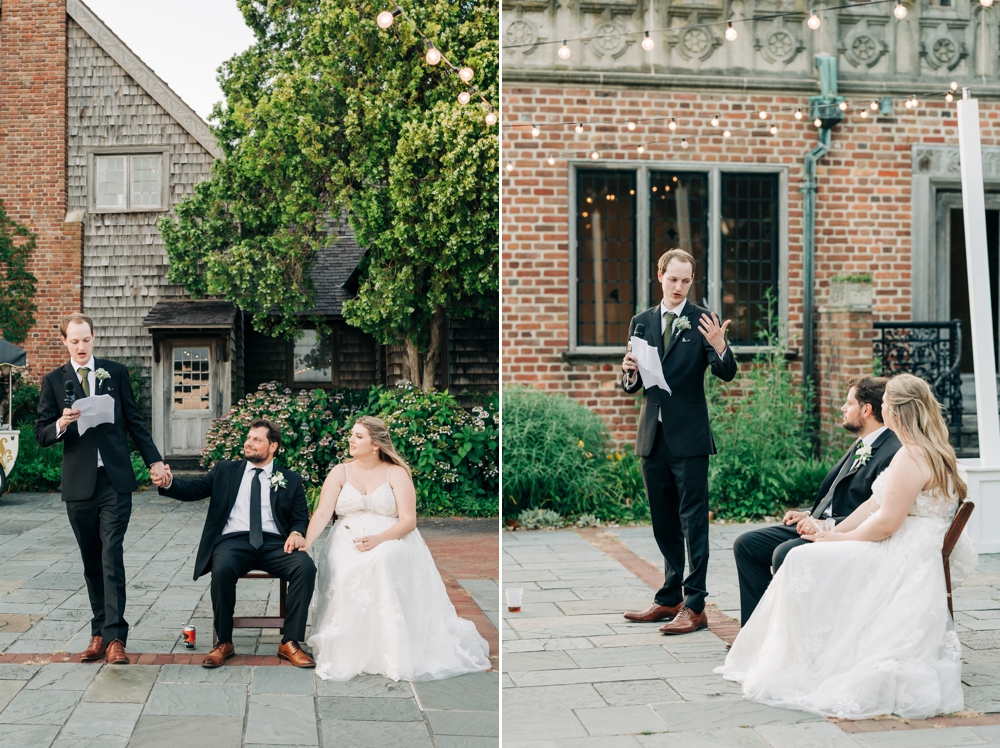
<point>33,73</point>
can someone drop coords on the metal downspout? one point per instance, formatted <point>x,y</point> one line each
<point>808,190</point>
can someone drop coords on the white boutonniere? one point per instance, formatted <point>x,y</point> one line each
<point>100,375</point>
<point>863,454</point>
<point>278,480</point>
<point>680,325</point>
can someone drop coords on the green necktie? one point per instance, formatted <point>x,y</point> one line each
<point>84,382</point>
<point>668,328</point>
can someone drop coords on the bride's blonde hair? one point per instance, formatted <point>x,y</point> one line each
<point>379,433</point>
<point>918,422</point>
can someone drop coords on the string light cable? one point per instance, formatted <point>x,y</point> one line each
<point>434,56</point>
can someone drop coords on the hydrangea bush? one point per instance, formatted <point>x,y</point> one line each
<point>453,451</point>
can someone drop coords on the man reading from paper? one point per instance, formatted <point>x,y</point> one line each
<point>674,439</point>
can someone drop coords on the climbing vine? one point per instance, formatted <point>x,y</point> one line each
<point>17,285</point>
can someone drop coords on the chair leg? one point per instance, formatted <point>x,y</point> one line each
<point>947,586</point>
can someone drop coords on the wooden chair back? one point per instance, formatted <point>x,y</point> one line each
<point>951,537</point>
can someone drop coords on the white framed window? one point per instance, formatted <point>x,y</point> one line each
<point>128,180</point>
<point>732,218</point>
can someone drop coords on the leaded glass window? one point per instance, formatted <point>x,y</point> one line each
<point>127,182</point>
<point>678,219</point>
<point>191,385</point>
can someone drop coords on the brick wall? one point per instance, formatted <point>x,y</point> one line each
<point>844,338</point>
<point>33,154</point>
<point>862,219</point>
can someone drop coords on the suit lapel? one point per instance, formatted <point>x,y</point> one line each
<point>273,495</point>
<point>673,338</point>
<point>653,328</point>
<point>234,484</point>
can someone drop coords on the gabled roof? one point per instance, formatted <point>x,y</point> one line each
<point>141,74</point>
<point>335,263</point>
<point>178,314</point>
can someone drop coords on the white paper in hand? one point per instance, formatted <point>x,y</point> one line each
<point>94,411</point>
<point>649,365</point>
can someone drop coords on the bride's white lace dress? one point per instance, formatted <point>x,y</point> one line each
<point>856,629</point>
<point>386,610</point>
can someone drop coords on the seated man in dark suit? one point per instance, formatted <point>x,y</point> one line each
<point>256,519</point>
<point>846,487</point>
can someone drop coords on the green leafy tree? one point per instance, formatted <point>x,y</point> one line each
<point>17,285</point>
<point>328,114</point>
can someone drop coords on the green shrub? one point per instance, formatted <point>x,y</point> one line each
<point>35,469</point>
<point>760,424</point>
<point>452,451</point>
<point>803,479</point>
<point>539,519</point>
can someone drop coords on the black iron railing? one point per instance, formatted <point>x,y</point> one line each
<point>931,351</point>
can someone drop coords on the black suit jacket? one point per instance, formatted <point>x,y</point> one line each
<point>685,412</point>
<point>222,484</point>
<point>79,467</point>
<point>855,488</point>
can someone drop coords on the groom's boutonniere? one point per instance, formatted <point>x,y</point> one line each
<point>100,375</point>
<point>863,454</point>
<point>278,480</point>
<point>680,325</point>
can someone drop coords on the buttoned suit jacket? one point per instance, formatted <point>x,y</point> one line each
<point>222,484</point>
<point>855,488</point>
<point>687,430</point>
<point>79,462</point>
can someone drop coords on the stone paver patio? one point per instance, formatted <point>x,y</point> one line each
<point>48,699</point>
<point>575,673</point>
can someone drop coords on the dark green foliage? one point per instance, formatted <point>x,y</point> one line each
<point>17,285</point>
<point>556,456</point>
<point>35,469</point>
<point>452,451</point>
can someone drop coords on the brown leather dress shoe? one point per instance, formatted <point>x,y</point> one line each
<point>95,651</point>
<point>655,613</point>
<point>219,654</point>
<point>115,653</point>
<point>686,622</point>
<point>292,652</point>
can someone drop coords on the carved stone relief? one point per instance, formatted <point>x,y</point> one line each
<point>945,162</point>
<point>778,41</point>
<point>943,51</point>
<point>865,45</point>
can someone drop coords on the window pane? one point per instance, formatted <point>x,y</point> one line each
<point>146,181</point>
<point>191,381</point>
<point>678,219</point>
<point>749,252</point>
<point>110,182</point>
<point>605,231</point>
<point>312,359</point>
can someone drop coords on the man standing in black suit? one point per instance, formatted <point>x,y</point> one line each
<point>845,488</point>
<point>97,476</point>
<point>674,439</point>
<point>257,518</point>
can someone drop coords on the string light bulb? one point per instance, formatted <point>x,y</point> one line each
<point>433,55</point>
<point>726,134</point>
<point>552,161</point>
<point>535,131</point>
<point>842,106</point>
<point>595,155</point>
<point>874,105</point>
<point>647,43</point>
<point>684,143</point>
<point>730,32</point>
<point>949,97</point>
<point>953,86</point>
<point>672,124</point>
<point>579,128</point>
<point>715,120</point>
<point>630,124</point>
<point>564,52</point>
<point>491,117</point>
<point>386,17</point>
<point>464,98</point>
<point>900,10</point>
<point>762,114</point>
<point>510,166</point>
<point>986,3</point>
<point>813,22</point>
<point>466,74</point>
<point>818,122</point>
<point>798,113</point>
<point>864,114</point>
<point>774,129</point>
<point>640,150</point>
<point>913,103</point>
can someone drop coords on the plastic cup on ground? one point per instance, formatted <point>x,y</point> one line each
<point>514,599</point>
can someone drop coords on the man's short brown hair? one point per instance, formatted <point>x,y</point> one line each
<point>675,254</point>
<point>869,391</point>
<point>273,430</point>
<point>77,318</point>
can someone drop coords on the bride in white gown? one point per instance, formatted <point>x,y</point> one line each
<point>860,628</point>
<point>381,606</point>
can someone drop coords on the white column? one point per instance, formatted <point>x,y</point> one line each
<point>984,473</point>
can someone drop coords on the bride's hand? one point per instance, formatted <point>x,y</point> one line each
<point>823,537</point>
<point>366,542</point>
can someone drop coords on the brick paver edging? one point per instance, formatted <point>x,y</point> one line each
<point>727,628</point>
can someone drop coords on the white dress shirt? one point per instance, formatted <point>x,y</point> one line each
<point>91,386</point>
<point>239,518</point>
<point>867,440</point>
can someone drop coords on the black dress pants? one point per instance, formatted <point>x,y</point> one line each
<point>757,553</point>
<point>99,524</point>
<point>677,489</point>
<point>233,557</point>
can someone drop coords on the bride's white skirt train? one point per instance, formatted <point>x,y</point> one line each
<point>857,629</point>
<point>387,611</point>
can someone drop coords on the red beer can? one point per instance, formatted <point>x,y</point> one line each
<point>188,636</point>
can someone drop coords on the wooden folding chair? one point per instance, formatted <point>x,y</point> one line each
<point>265,622</point>
<point>951,537</point>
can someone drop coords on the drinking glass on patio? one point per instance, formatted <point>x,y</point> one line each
<point>514,599</point>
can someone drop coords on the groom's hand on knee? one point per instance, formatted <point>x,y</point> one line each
<point>793,517</point>
<point>295,542</point>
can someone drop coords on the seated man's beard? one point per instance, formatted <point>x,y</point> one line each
<point>855,426</point>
